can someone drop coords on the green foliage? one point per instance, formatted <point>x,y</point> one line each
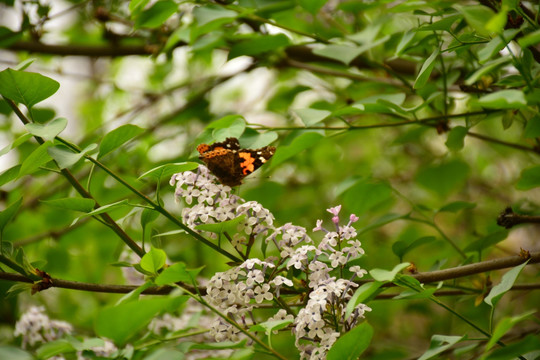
<point>119,323</point>
<point>117,137</point>
<point>153,260</point>
<point>352,344</point>
<point>26,88</point>
<point>415,122</point>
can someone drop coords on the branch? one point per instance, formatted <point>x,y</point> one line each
<point>508,219</point>
<point>428,277</point>
<point>82,191</point>
<point>477,268</point>
<point>111,50</point>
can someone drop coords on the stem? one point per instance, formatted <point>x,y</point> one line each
<point>444,236</point>
<point>160,209</point>
<point>82,191</point>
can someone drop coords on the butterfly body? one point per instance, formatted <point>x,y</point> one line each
<point>229,163</point>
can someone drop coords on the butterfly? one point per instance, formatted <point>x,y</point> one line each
<point>229,163</point>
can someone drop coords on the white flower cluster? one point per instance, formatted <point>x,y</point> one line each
<point>238,291</point>
<point>234,292</point>
<point>192,316</point>
<point>35,327</point>
<point>215,204</point>
<point>324,314</point>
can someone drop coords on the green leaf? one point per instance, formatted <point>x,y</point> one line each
<point>8,214</point>
<point>136,6</point>
<point>312,116</point>
<point>532,130</point>
<point>108,207</point>
<point>228,126</point>
<point>504,325</point>
<point>153,260</point>
<point>258,140</point>
<point>26,87</point>
<point>175,273</point>
<point>258,45</point>
<point>119,136</point>
<point>65,157</point>
<point>342,53</point>
<point>14,353</point>
<point>456,206</point>
<point>416,295</point>
<point>167,170</point>
<point>444,178</point>
<point>489,67</point>
<point>380,103</point>
<point>229,226</point>
<point>506,284</point>
<point>134,294</point>
<point>443,24</point>
<point>439,344</point>
<point>352,344</point>
<point>387,275</point>
<point>530,39</point>
<point>156,15</point>
<point>456,138</point>
<point>313,6</point>
<point>510,4</point>
<point>76,204</point>
<point>504,99</point>
<point>37,158</point>
<point>404,43</point>
<point>366,195</point>
<point>497,23</point>
<point>269,326</point>
<point>164,353</point>
<point>120,323</point>
<point>54,348</point>
<point>299,144</point>
<point>487,241</point>
<point>477,17</point>
<point>400,248</point>
<point>363,293</point>
<point>10,174</point>
<point>169,233</point>
<point>425,71</point>
<point>383,220</point>
<point>20,140</point>
<point>496,44</point>
<point>529,179</point>
<point>512,351</point>
<point>148,216</point>
<point>213,13</point>
<point>47,131</point>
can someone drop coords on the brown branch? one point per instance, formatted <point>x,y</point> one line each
<point>477,268</point>
<point>84,50</point>
<point>106,218</point>
<point>508,218</point>
<point>430,277</point>
<point>305,54</point>
<point>517,287</point>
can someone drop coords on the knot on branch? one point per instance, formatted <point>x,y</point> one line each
<point>508,218</point>
<point>43,284</point>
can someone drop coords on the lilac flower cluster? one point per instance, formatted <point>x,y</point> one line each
<point>239,290</point>
<point>214,203</point>
<point>235,293</point>
<point>36,328</point>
